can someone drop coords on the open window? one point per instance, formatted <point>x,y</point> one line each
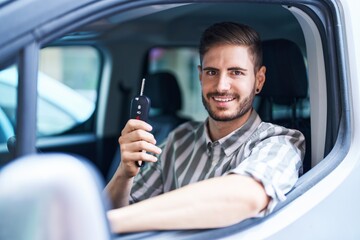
<point>315,105</point>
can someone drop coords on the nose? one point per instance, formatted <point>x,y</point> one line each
<point>223,83</point>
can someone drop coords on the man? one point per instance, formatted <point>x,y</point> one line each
<point>213,174</point>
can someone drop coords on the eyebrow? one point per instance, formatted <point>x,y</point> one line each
<point>229,69</point>
<point>237,69</point>
<point>210,68</point>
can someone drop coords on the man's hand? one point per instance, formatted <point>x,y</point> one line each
<point>136,142</point>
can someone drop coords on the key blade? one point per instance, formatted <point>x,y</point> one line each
<point>142,87</point>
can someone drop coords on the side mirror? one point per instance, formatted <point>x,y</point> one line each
<point>52,196</point>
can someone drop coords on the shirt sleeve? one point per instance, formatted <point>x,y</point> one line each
<point>276,162</point>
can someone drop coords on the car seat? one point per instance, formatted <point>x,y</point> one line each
<point>166,101</point>
<point>284,98</point>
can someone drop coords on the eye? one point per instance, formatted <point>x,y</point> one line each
<point>238,73</point>
<point>211,72</point>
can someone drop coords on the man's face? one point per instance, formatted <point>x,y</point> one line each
<point>229,82</point>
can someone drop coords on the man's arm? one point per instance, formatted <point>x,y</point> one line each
<point>118,190</point>
<point>216,202</point>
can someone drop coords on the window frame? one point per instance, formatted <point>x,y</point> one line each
<point>27,100</point>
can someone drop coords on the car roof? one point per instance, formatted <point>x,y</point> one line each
<point>42,20</point>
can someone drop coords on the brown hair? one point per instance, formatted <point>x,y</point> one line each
<point>232,34</point>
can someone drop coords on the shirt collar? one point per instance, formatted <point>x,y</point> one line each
<point>235,139</point>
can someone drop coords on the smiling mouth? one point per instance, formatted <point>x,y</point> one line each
<point>223,99</point>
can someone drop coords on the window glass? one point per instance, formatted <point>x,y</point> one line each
<point>8,85</point>
<point>68,79</point>
<point>75,67</point>
<point>183,62</point>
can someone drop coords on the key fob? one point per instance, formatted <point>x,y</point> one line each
<point>140,107</point>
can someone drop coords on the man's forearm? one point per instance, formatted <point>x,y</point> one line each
<point>216,202</point>
<point>118,190</point>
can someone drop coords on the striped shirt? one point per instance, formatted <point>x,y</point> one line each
<point>269,153</point>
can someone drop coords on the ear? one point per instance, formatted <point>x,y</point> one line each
<point>260,79</point>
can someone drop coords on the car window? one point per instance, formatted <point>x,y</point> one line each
<point>68,79</point>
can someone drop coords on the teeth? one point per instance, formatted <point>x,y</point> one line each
<point>223,99</point>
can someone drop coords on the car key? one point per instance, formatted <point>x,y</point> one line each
<point>140,107</point>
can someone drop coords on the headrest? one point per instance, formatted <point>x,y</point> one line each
<point>163,90</point>
<point>286,76</point>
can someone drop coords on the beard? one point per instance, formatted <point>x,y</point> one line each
<point>218,114</point>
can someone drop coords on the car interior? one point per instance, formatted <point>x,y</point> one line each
<point>144,39</point>
<point>159,42</point>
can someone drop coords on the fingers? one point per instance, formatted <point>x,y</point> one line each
<point>134,124</point>
<point>137,143</point>
<point>137,135</point>
<point>137,150</point>
<point>139,156</point>
<point>136,130</point>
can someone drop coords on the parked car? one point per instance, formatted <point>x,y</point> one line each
<point>319,95</point>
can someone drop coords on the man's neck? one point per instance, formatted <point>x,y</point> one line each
<point>219,129</point>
